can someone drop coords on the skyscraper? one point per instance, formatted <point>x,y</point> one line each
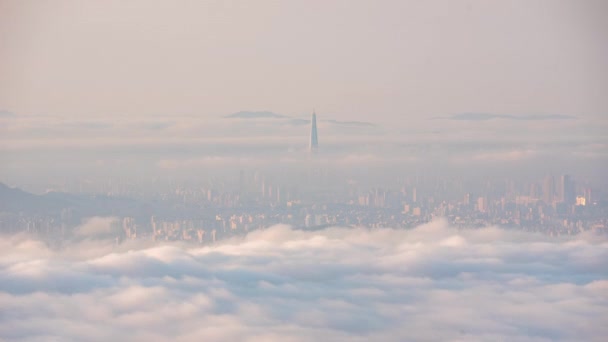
<point>566,190</point>
<point>314,143</point>
<point>548,189</point>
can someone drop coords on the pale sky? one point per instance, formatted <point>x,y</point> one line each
<point>382,61</point>
<point>130,87</point>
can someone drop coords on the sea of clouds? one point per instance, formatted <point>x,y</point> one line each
<point>280,284</point>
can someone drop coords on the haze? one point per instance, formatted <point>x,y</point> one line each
<point>396,59</point>
<point>303,170</point>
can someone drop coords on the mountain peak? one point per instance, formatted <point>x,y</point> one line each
<point>254,115</point>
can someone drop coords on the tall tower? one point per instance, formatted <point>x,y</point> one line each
<point>549,189</point>
<point>314,143</point>
<point>566,190</point>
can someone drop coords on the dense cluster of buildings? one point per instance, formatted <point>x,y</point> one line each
<point>204,213</point>
<point>553,206</point>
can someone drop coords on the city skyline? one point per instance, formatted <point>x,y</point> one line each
<point>163,178</point>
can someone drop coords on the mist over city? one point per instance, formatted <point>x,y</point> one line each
<point>303,170</point>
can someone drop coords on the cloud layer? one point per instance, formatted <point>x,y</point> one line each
<point>430,283</point>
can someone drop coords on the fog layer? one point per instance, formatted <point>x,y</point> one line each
<point>430,283</point>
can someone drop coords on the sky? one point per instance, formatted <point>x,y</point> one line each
<point>390,60</point>
<point>279,284</point>
<point>113,87</point>
<point>94,91</point>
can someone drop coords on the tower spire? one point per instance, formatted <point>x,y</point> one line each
<point>314,143</point>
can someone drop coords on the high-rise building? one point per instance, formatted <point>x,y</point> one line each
<point>580,201</point>
<point>314,142</point>
<point>482,204</point>
<point>566,190</point>
<point>548,189</point>
<point>587,194</point>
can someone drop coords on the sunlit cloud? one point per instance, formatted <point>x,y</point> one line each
<point>430,283</point>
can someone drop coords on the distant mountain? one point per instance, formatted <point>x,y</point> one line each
<point>488,116</point>
<point>351,123</point>
<point>10,195</point>
<point>254,115</point>
<point>17,200</point>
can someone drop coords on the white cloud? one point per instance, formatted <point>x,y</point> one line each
<point>430,283</point>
